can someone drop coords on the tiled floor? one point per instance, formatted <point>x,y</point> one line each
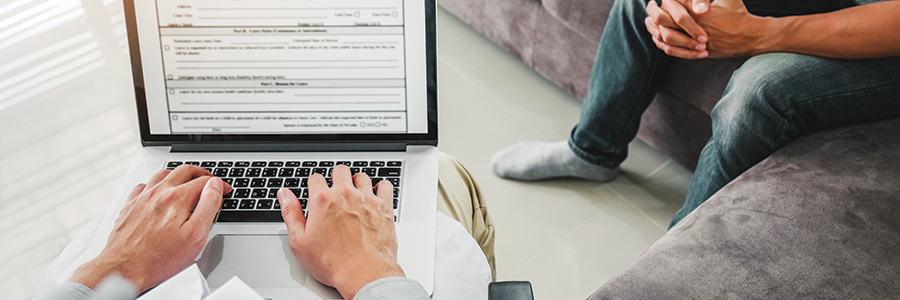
<point>68,132</point>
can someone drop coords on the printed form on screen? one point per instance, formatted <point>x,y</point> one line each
<point>280,66</point>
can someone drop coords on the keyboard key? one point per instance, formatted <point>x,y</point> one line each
<point>297,192</point>
<point>353,171</point>
<point>247,204</point>
<point>389,172</point>
<point>394,164</point>
<point>326,164</point>
<point>277,205</point>
<point>360,164</point>
<point>375,181</point>
<point>241,193</point>
<point>323,171</point>
<point>264,204</point>
<point>346,163</point>
<point>253,172</point>
<point>259,164</point>
<point>286,172</point>
<point>220,172</point>
<point>396,192</point>
<point>276,164</point>
<point>207,169</point>
<point>394,180</point>
<point>241,182</point>
<point>263,215</point>
<point>242,164</point>
<point>273,193</point>
<point>370,171</point>
<point>229,204</point>
<point>226,196</point>
<point>395,203</point>
<point>275,182</point>
<point>258,182</point>
<point>225,164</point>
<point>236,172</point>
<point>193,163</point>
<point>229,181</point>
<point>304,182</point>
<point>208,164</point>
<point>259,193</point>
<point>303,172</point>
<point>173,164</point>
<point>310,164</point>
<point>305,193</point>
<point>291,182</point>
<point>376,164</point>
<point>292,164</point>
<point>270,172</point>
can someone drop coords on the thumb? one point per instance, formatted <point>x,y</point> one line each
<point>291,210</point>
<point>701,6</point>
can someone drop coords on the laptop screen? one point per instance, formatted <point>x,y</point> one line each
<point>282,67</point>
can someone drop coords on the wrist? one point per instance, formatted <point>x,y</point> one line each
<point>349,282</point>
<point>770,35</point>
<point>92,273</point>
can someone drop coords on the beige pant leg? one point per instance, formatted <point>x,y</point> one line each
<point>460,198</point>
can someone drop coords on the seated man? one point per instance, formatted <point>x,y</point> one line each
<point>348,241</point>
<point>815,65</point>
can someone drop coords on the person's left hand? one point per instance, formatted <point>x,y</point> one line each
<point>732,31</point>
<point>161,229</point>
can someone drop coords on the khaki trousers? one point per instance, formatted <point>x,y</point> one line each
<point>459,197</point>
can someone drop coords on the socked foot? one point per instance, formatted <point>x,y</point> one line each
<point>536,160</point>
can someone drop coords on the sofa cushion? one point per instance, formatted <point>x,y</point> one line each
<point>508,23</point>
<point>820,218</point>
<point>585,17</point>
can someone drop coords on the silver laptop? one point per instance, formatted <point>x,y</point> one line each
<point>264,93</point>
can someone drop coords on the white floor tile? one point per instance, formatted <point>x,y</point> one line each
<point>579,263</point>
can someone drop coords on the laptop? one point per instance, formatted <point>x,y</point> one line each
<point>265,93</point>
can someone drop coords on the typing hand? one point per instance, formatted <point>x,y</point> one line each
<point>161,229</point>
<point>349,238</point>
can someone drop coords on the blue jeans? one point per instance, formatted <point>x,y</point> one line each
<point>771,100</point>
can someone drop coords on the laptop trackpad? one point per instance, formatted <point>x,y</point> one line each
<point>262,261</point>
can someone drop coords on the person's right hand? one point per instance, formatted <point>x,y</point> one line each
<point>349,238</point>
<point>674,28</point>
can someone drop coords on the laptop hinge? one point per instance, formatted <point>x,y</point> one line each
<point>286,147</point>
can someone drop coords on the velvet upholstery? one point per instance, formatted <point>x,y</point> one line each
<point>819,219</point>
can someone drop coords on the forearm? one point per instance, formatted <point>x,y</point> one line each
<point>866,31</point>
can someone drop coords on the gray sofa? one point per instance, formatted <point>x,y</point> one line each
<point>818,219</point>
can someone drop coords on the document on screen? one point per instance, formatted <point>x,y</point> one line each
<point>284,66</point>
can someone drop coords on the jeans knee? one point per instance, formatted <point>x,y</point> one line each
<point>757,103</point>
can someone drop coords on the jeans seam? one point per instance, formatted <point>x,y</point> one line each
<point>590,158</point>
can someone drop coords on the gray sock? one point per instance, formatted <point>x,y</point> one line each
<point>536,160</point>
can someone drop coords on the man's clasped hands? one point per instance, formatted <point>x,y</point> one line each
<point>695,29</point>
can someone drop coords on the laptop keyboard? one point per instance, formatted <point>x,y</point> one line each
<point>256,183</point>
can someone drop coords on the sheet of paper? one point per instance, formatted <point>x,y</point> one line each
<point>187,285</point>
<point>235,289</point>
